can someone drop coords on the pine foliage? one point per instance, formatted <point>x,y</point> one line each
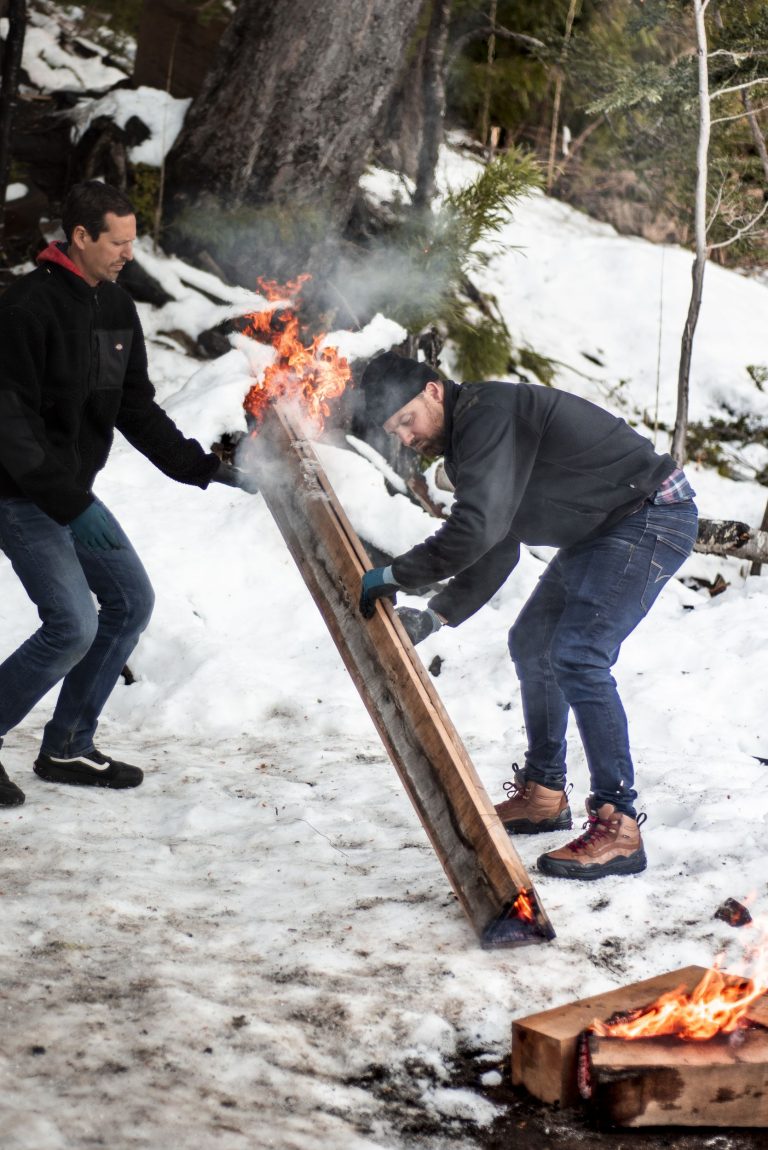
<point>442,248</point>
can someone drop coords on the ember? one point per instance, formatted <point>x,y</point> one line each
<point>523,906</point>
<point>311,375</point>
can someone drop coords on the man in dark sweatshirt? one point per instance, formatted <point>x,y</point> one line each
<point>537,465</point>
<point>73,367</point>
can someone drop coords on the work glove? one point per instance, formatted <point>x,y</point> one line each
<point>378,583</point>
<point>93,529</point>
<point>419,624</point>
<point>232,476</point>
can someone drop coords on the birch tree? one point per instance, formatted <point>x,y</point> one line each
<point>702,245</point>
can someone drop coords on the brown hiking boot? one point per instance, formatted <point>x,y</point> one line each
<point>532,808</point>
<point>610,845</point>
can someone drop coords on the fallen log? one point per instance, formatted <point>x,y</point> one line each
<point>730,537</point>
<point>482,866</point>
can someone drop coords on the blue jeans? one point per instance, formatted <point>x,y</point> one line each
<point>568,635</point>
<point>85,647</point>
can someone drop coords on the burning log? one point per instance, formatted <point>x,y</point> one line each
<point>689,1048</point>
<point>545,1046</point>
<point>489,879</point>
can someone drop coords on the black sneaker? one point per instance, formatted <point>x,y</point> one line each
<point>10,794</point>
<point>91,769</point>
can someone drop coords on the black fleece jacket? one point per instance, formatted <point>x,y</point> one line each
<point>73,367</point>
<point>529,465</point>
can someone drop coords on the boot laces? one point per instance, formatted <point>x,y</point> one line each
<point>594,830</point>
<point>515,788</point>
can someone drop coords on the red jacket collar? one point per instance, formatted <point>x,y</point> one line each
<point>55,254</point>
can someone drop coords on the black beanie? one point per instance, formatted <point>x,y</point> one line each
<point>389,382</point>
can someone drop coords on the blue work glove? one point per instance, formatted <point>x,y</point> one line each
<point>378,583</point>
<point>419,624</point>
<point>232,476</point>
<point>93,529</point>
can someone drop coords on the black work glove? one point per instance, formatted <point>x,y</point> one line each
<point>419,624</point>
<point>232,476</point>
<point>378,583</point>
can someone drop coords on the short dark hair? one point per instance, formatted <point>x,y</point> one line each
<point>88,203</point>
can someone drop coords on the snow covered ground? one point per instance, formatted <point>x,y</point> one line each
<point>258,947</point>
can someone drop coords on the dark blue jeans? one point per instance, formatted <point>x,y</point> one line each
<point>568,635</point>
<point>84,646</point>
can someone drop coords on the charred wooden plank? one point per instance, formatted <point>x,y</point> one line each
<point>722,1081</point>
<point>458,816</point>
<point>545,1045</point>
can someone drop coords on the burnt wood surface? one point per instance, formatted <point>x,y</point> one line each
<point>722,1081</point>
<point>545,1045</point>
<point>455,810</point>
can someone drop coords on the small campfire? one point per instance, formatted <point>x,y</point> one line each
<point>688,1048</point>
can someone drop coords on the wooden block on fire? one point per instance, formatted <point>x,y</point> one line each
<point>545,1045</point>
<point>721,1081</point>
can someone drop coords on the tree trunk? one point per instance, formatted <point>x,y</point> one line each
<point>10,63</point>
<point>281,130</point>
<point>700,259</point>
<point>433,103</point>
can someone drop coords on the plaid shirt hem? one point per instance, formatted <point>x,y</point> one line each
<point>674,489</point>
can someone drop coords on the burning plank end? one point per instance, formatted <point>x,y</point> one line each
<point>520,924</point>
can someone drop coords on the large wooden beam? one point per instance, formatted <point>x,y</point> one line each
<point>722,1081</point>
<point>545,1045</point>
<point>484,870</point>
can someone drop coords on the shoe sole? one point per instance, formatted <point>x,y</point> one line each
<point>621,865</point>
<point>563,822</point>
<point>83,778</point>
<point>12,800</point>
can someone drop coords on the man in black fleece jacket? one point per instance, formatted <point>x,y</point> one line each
<point>537,465</point>
<point>73,367</point>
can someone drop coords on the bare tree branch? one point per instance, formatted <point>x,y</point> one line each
<point>740,115</point>
<point>741,231</point>
<point>738,87</point>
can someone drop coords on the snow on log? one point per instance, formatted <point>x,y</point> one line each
<point>732,538</point>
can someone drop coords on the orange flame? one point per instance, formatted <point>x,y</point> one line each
<point>523,907</point>
<point>716,1006</point>
<point>311,375</point>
